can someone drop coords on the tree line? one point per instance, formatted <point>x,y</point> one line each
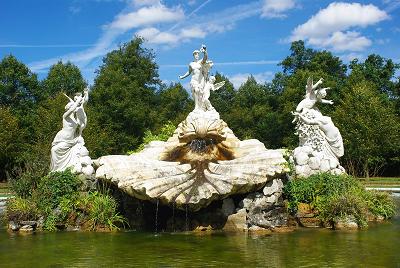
<point>127,99</point>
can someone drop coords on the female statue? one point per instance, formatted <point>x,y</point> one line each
<point>199,69</point>
<point>68,142</point>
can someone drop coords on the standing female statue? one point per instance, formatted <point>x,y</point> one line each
<point>199,69</point>
<point>68,142</point>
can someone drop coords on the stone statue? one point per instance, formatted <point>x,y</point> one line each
<point>200,83</point>
<point>320,142</point>
<point>68,147</point>
<point>205,103</point>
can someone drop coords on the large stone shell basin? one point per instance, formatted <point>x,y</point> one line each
<point>185,186</point>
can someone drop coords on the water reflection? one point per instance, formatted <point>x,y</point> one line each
<point>376,247</point>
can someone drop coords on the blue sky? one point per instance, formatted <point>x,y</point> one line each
<point>242,37</point>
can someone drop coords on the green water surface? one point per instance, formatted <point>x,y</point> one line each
<point>377,246</point>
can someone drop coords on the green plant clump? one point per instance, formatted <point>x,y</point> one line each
<point>338,196</point>
<point>166,131</point>
<point>58,201</point>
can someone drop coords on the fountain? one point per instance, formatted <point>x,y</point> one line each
<point>202,162</point>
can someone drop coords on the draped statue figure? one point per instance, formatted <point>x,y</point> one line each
<point>320,141</point>
<point>68,147</point>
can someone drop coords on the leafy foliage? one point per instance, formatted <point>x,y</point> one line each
<point>334,197</point>
<point>55,186</point>
<point>128,106</point>
<point>66,78</point>
<point>166,131</point>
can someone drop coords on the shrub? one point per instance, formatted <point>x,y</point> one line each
<point>380,204</point>
<point>24,180</point>
<point>342,206</point>
<point>166,131</point>
<point>20,209</point>
<point>54,187</point>
<point>337,196</point>
<point>102,211</point>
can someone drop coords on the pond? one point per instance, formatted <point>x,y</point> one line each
<point>377,246</point>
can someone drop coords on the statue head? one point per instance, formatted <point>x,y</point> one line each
<point>212,79</point>
<point>196,54</point>
<point>321,93</point>
<point>77,95</point>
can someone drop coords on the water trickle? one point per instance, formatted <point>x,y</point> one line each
<point>157,215</point>
<point>173,217</point>
<point>186,219</point>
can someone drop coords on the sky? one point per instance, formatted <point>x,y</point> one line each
<point>242,37</point>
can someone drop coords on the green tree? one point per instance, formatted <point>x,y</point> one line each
<point>10,141</point>
<point>379,71</point>
<point>19,87</point>
<point>66,78</point>
<point>173,105</point>
<point>122,101</point>
<point>370,129</point>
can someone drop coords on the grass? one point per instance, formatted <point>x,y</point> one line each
<point>380,181</point>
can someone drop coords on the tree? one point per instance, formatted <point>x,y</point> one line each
<point>10,141</point>
<point>66,78</point>
<point>122,101</point>
<point>19,87</point>
<point>223,98</point>
<point>370,129</point>
<point>173,104</point>
<point>379,71</point>
<point>302,58</point>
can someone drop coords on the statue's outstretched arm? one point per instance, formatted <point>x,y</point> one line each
<point>86,95</point>
<point>73,107</point>
<point>326,101</point>
<point>205,57</point>
<point>318,83</point>
<point>186,74</point>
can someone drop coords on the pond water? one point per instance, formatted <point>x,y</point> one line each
<point>377,246</point>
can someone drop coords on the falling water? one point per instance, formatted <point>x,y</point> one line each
<point>173,217</point>
<point>186,218</point>
<point>157,215</point>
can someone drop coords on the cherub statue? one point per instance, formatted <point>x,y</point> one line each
<point>313,95</point>
<point>205,103</point>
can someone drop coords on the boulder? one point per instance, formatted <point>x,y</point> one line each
<point>236,222</point>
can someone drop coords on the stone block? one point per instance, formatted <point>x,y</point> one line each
<point>236,222</point>
<point>274,186</point>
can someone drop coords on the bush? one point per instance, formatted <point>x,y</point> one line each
<point>53,187</point>
<point>337,196</point>
<point>380,204</point>
<point>20,209</point>
<point>341,206</point>
<point>166,131</point>
<point>102,211</point>
<point>24,180</point>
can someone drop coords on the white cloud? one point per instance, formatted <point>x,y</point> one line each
<point>145,2</point>
<point>154,36</point>
<point>146,16</point>
<point>351,56</point>
<point>342,41</point>
<point>193,32</point>
<point>123,22</point>
<point>276,8</point>
<point>74,9</point>
<point>328,27</point>
<point>239,79</point>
